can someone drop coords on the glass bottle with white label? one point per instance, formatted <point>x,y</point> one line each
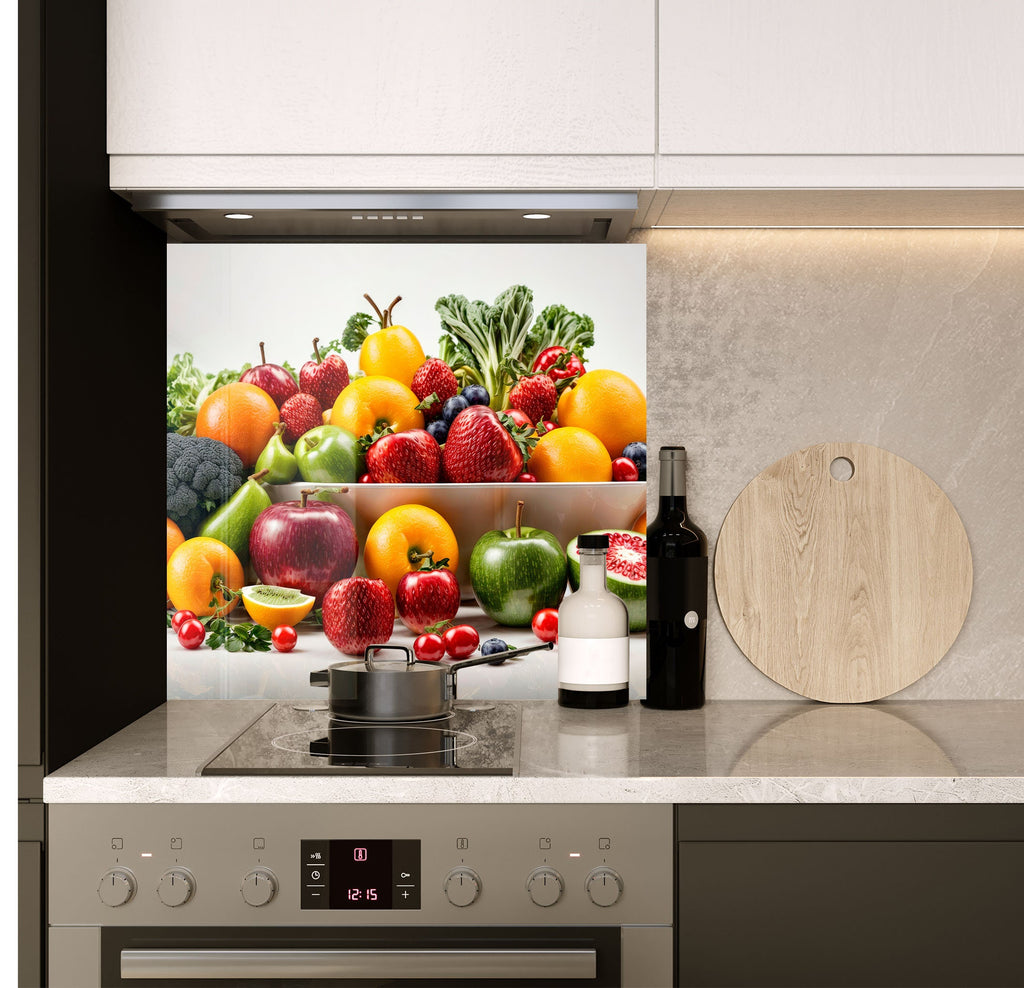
<point>593,636</point>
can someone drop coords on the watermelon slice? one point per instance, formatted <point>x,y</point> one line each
<point>627,571</point>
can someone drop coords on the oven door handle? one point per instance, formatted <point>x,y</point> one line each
<point>447,965</point>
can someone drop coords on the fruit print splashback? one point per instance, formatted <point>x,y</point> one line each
<point>493,389</point>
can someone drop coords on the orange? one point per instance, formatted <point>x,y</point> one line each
<point>397,537</point>
<point>569,454</point>
<point>196,573</point>
<point>174,537</point>
<point>640,523</point>
<point>241,416</point>
<point>391,352</point>
<point>369,403</point>
<point>608,404</point>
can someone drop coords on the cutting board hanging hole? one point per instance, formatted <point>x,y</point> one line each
<point>841,468</point>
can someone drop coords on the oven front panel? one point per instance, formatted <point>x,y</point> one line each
<point>311,865</point>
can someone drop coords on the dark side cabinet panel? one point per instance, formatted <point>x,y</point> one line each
<point>102,274</point>
<point>850,913</point>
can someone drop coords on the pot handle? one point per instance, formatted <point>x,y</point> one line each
<point>410,659</point>
<point>481,659</point>
<point>321,677</point>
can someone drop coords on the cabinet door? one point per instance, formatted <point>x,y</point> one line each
<point>803,77</point>
<point>393,77</point>
<point>850,913</point>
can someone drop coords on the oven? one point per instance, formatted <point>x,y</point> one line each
<point>402,895</point>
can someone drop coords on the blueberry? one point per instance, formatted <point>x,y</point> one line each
<point>452,407</point>
<point>438,429</point>
<point>491,647</point>
<point>637,452</point>
<point>476,394</point>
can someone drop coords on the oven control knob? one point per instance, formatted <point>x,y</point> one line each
<point>545,886</point>
<point>117,887</point>
<point>604,887</point>
<point>259,886</point>
<point>462,886</point>
<point>176,887</point>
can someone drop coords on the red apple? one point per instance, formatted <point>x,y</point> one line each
<point>358,612</point>
<point>324,377</point>
<point>305,544</point>
<point>427,596</point>
<point>272,378</point>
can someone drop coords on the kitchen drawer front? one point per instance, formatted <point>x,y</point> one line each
<point>814,910</point>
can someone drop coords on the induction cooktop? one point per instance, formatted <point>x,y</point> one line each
<point>300,738</point>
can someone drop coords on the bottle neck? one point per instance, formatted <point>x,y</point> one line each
<point>592,569</point>
<point>672,486</point>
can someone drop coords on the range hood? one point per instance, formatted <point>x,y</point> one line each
<point>400,217</point>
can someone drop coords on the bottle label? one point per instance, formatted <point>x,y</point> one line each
<point>677,589</point>
<point>592,664</point>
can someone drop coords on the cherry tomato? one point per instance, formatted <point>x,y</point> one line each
<point>429,647</point>
<point>545,624</point>
<point>526,478</point>
<point>623,468</point>
<point>558,364</point>
<point>461,641</point>
<point>366,479</point>
<point>191,633</point>
<point>180,617</point>
<point>284,637</point>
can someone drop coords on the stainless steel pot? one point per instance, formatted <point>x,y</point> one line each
<point>392,691</point>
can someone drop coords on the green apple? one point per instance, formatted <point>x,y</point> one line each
<point>328,454</point>
<point>516,572</point>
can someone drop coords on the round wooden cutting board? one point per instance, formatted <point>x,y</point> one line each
<point>843,590</point>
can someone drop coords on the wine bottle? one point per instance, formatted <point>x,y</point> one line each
<point>677,594</point>
<point>593,635</point>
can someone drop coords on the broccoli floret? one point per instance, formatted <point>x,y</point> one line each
<point>202,474</point>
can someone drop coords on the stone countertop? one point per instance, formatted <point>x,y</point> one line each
<point>967,751</point>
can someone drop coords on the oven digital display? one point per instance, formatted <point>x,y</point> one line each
<point>360,874</point>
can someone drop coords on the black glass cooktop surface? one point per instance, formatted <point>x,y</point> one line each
<point>299,738</point>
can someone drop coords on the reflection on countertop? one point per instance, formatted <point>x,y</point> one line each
<point>729,751</point>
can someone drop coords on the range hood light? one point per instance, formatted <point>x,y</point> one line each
<point>536,216</point>
<point>238,216</point>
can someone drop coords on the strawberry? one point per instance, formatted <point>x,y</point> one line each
<point>536,395</point>
<point>485,448</point>
<point>300,413</point>
<point>433,377</point>
<point>358,612</point>
<point>410,457</point>
<point>324,378</point>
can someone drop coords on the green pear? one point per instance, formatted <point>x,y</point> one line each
<point>277,459</point>
<point>233,520</point>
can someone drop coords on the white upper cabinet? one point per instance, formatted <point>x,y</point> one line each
<point>268,78</point>
<point>860,78</point>
<point>838,77</point>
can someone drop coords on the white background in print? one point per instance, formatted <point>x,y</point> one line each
<point>222,299</point>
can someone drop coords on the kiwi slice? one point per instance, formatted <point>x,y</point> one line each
<point>274,596</point>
